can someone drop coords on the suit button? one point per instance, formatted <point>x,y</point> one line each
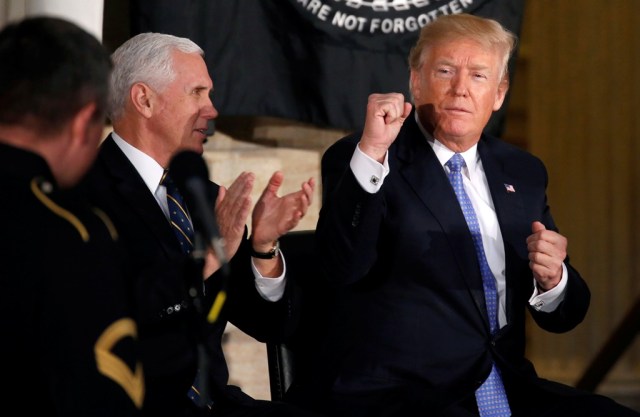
<point>493,343</point>
<point>355,221</point>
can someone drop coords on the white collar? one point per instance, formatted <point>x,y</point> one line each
<point>444,154</point>
<point>150,170</point>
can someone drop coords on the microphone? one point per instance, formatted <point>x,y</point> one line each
<point>189,172</point>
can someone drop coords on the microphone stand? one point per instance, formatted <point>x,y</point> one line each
<point>203,319</point>
<point>191,175</point>
<point>195,286</point>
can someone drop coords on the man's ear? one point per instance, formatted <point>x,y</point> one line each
<point>82,123</point>
<point>503,87</point>
<point>414,84</point>
<point>141,96</point>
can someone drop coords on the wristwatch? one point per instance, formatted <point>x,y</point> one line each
<point>273,252</point>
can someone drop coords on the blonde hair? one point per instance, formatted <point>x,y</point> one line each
<point>489,33</point>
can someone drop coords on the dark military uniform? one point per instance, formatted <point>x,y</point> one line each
<point>68,345</point>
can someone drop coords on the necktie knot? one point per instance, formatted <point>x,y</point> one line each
<point>456,163</point>
<point>167,181</point>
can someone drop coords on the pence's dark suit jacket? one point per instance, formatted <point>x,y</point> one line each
<point>409,324</point>
<point>156,269</point>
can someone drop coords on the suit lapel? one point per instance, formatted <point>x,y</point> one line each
<point>508,205</point>
<point>502,186</point>
<point>420,168</point>
<point>135,193</point>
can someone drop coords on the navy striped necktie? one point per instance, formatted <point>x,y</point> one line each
<point>178,214</point>
<point>491,396</point>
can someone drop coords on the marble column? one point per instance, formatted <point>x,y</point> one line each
<point>87,14</point>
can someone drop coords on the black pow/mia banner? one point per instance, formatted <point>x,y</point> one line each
<point>313,61</point>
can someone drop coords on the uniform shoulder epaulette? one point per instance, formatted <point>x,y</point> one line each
<point>41,188</point>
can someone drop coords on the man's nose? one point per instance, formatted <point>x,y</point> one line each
<point>209,111</point>
<point>459,86</point>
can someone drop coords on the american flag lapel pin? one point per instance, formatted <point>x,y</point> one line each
<point>509,188</point>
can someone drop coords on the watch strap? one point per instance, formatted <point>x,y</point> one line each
<point>272,253</point>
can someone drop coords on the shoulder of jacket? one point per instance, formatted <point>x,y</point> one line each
<point>43,190</point>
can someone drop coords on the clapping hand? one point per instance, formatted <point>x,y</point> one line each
<point>274,216</point>
<point>232,209</point>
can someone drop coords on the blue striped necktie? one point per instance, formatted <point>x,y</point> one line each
<point>491,396</point>
<point>178,215</point>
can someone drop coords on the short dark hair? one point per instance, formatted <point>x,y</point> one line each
<point>49,69</point>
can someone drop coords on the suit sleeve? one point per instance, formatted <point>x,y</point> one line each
<point>264,320</point>
<point>350,218</point>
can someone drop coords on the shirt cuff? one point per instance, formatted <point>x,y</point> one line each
<point>271,289</point>
<point>369,172</point>
<point>548,301</point>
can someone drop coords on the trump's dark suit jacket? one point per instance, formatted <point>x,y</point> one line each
<point>409,319</point>
<point>156,270</point>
